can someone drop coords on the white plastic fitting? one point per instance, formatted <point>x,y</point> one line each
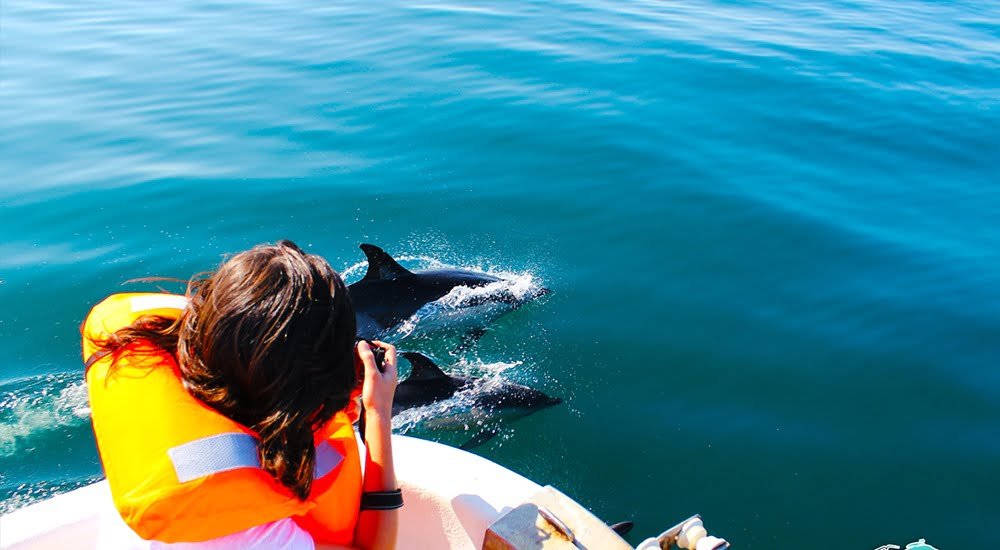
<point>687,535</point>
<point>693,536</point>
<point>690,534</point>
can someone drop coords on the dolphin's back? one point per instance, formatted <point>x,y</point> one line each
<point>383,303</point>
<point>504,395</point>
<point>426,384</point>
<point>413,394</point>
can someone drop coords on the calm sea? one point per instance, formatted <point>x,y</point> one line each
<point>770,228</point>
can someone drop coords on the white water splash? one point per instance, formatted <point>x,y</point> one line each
<point>518,287</point>
<point>40,404</point>
<point>466,308</point>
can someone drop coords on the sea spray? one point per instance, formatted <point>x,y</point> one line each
<point>30,407</point>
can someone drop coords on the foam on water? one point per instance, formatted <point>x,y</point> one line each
<point>466,308</point>
<point>32,406</point>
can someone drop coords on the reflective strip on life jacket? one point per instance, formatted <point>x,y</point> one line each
<point>230,451</point>
<point>327,459</point>
<point>214,454</point>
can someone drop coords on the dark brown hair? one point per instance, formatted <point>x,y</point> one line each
<point>268,341</point>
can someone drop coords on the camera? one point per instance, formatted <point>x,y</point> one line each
<point>378,351</point>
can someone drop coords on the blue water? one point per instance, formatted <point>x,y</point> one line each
<point>770,229</point>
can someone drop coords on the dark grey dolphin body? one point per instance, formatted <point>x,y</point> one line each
<point>428,384</point>
<point>390,294</point>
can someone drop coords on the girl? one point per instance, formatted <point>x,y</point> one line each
<point>224,418</point>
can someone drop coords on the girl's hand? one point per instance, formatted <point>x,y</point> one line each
<point>379,387</point>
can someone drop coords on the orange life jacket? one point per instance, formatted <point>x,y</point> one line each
<point>181,472</point>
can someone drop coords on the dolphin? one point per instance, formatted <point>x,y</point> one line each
<point>494,398</point>
<point>389,293</point>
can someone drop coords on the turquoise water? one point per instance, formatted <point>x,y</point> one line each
<point>770,229</point>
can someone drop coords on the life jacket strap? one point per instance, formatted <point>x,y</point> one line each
<point>94,357</point>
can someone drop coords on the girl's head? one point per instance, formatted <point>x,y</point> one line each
<point>268,341</point>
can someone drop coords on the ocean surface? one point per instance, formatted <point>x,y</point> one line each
<point>771,230</point>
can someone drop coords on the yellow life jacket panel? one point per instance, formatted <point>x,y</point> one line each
<point>179,471</point>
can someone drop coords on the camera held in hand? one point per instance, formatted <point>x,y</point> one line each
<point>377,351</point>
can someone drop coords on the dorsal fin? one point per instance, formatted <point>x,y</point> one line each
<point>423,367</point>
<point>381,265</point>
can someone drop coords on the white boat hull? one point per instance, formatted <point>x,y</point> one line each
<point>451,497</point>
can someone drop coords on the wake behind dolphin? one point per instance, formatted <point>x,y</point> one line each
<point>389,295</point>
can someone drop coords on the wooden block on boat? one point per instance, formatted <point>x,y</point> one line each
<point>525,528</point>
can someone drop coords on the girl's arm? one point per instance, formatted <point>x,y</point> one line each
<point>376,529</point>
